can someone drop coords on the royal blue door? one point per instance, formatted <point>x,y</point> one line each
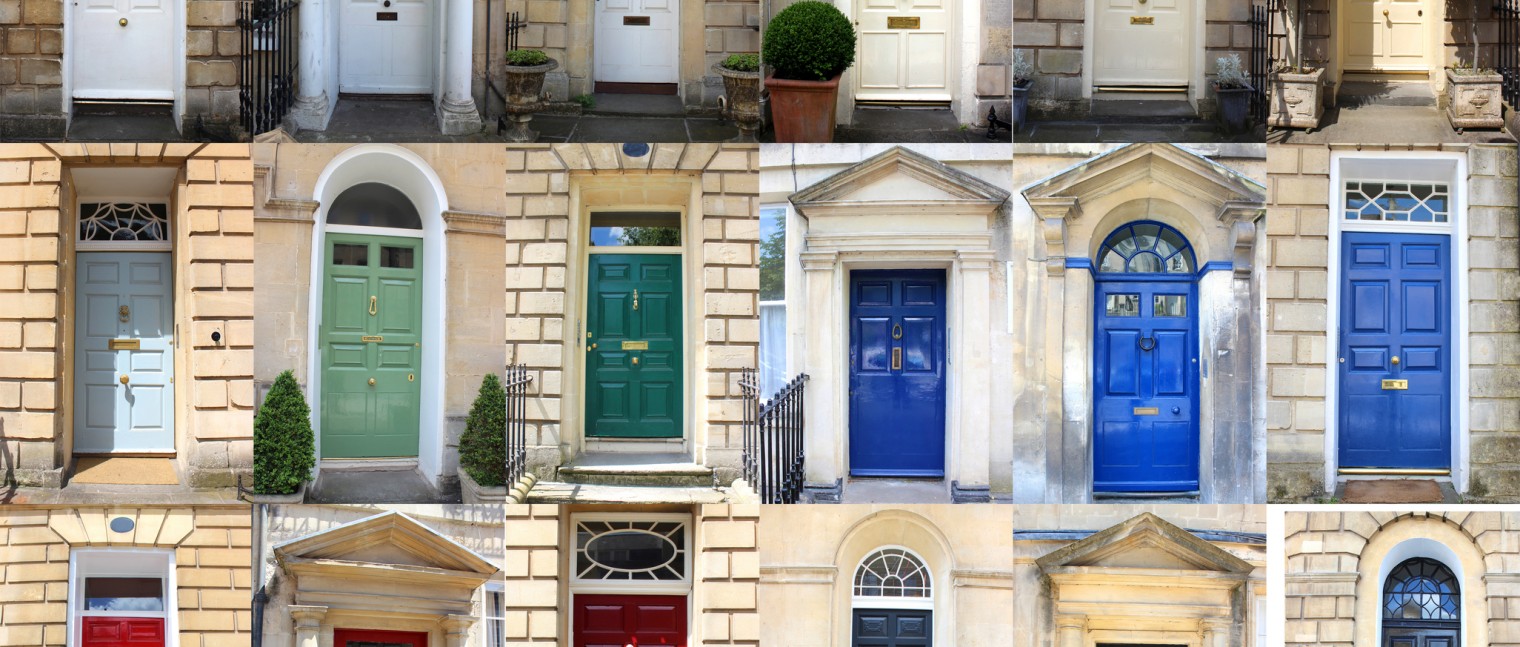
<point>1395,351</point>
<point>897,373</point>
<point>1145,382</point>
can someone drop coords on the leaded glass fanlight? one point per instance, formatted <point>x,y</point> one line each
<point>630,550</point>
<point>123,221</point>
<point>1398,201</point>
<point>1422,589</point>
<point>893,573</point>
<point>373,204</point>
<point>1146,248</point>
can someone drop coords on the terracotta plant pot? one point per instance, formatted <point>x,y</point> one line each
<point>525,96</point>
<point>803,111</point>
<point>1295,99</point>
<point>743,92</point>
<point>1476,101</point>
<point>1234,107</point>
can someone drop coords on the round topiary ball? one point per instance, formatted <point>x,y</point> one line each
<point>809,41</point>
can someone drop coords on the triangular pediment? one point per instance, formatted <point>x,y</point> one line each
<point>1144,542</point>
<point>899,176</point>
<point>1061,196</point>
<point>389,539</point>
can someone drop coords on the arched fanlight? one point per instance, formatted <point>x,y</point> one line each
<point>1146,248</point>
<point>893,573</point>
<point>1422,589</point>
<point>373,204</point>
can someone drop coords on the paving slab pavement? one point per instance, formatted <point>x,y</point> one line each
<point>378,486</point>
<point>1386,124</point>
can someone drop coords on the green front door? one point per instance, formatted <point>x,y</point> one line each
<point>633,363</point>
<point>371,352</point>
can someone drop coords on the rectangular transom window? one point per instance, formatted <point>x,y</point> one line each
<point>1399,201</point>
<point>631,552</point>
<point>635,229</point>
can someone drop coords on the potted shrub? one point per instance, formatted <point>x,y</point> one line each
<point>1475,99</point>
<point>741,85</point>
<point>807,46</point>
<point>1234,90</point>
<point>1023,79</point>
<point>525,70</point>
<point>284,449</point>
<point>483,446</point>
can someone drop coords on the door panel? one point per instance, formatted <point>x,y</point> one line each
<point>619,620</point>
<point>897,62</point>
<point>1395,304</point>
<point>1385,35</point>
<point>113,60</point>
<point>889,628</point>
<point>386,47</point>
<point>1145,429</point>
<point>632,392</point>
<point>376,638</point>
<point>636,41</point>
<point>371,329</point>
<point>1142,43</point>
<point>128,296</point>
<point>1446,636</point>
<point>897,406</point>
<point>96,631</point>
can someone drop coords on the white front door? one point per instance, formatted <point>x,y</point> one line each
<point>123,49</point>
<point>904,50</point>
<point>123,331</point>
<point>386,47</point>
<point>1142,42</point>
<point>636,41</point>
<point>1384,35</point>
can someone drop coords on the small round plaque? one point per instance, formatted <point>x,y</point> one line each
<point>122,524</point>
<point>635,150</point>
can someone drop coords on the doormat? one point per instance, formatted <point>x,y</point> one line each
<point>125,471</point>
<point>1391,491</point>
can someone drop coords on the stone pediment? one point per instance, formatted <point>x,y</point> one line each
<point>1145,542</point>
<point>899,181</point>
<point>1061,196</point>
<point>391,542</point>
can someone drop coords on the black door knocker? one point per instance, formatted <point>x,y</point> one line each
<point>1147,343</point>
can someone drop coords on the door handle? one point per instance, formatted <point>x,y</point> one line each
<point>1385,13</point>
<point>1395,360</point>
<point>897,359</point>
<point>371,381</point>
<point>125,379</point>
<point>373,308</point>
<point>635,360</point>
<point>1176,410</point>
<point>592,347</point>
<point>1147,343</point>
<point>122,22</point>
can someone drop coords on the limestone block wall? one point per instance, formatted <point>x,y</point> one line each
<point>533,568</point>
<point>213,225</point>
<point>212,51</point>
<point>211,555</point>
<point>727,564</point>
<point>31,72</point>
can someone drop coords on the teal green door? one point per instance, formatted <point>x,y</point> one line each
<point>633,344</point>
<point>371,336</point>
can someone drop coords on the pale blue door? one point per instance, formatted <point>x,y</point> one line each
<point>123,364</point>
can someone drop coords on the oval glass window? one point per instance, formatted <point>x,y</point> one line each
<point>630,550</point>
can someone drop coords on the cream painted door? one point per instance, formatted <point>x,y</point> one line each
<point>386,47</point>
<point>1142,42</point>
<point>1385,35</point>
<point>122,49</point>
<point>904,50</point>
<point>636,41</point>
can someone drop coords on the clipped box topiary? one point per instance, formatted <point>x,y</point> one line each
<point>483,445</point>
<point>284,448</point>
<point>807,46</point>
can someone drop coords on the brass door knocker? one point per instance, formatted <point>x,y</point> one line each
<point>897,331</point>
<point>124,313</point>
<point>1147,343</point>
<point>372,307</point>
<point>635,299</point>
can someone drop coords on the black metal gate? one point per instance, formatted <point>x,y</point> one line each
<point>1507,63</point>
<point>267,74</point>
<point>774,457</point>
<point>516,430</point>
<point>1268,31</point>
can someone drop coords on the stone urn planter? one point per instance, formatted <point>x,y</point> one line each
<point>525,96</point>
<point>1295,99</point>
<point>743,92</point>
<point>299,496</point>
<point>472,492</point>
<point>1475,99</point>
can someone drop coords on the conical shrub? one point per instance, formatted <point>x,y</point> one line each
<point>483,446</point>
<point>284,448</point>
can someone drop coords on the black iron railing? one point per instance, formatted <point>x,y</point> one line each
<point>267,72</point>
<point>1507,62</point>
<point>1265,50</point>
<point>513,28</point>
<point>516,430</point>
<point>773,436</point>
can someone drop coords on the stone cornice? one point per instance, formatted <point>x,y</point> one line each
<point>474,223</point>
<point>963,193</point>
<point>286,209</point>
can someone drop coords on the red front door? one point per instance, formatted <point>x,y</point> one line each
<point>638,620</point>
<point>375,638</point>
<point>122,632</point>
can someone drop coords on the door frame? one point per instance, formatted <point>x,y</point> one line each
<point>596,33</point>
<point>435,53</point>
<point>965,18</point>
<point>124,562</point>
<point>1456,177</point>
<point>177,59</point>
<point>1435,16</point>
<point>1197,20</point>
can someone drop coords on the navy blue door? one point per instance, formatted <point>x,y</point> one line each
<point>891,628</point>
<point>1145,385</point>
<point>897,373</point>
<point>1395,333</point>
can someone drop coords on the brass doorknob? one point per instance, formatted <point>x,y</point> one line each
<point>371,381</point>
<point>1385,13</point>
<point>122,22</point>
<point>1395,360</point>
<point>635,361</point>
<point>125,379</point>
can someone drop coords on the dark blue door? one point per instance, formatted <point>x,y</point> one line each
<point>892,628</point>
<point>1395,355</point>
<point>897,373</point>
<point>1145,382</point>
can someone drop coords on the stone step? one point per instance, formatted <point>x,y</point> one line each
<point>653,474</point>
<point>559,492</point>
<point>1355,94</point>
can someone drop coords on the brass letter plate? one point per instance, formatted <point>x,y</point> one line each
<point>372,338</point>
<point>126,344</point>
<point>902,22</point>
<point>640,21</point>
<point>1142,20</point>
<point>387,16</point>
<point>1395,385</point>
<point>1147,411</point>
<point>635,345</point>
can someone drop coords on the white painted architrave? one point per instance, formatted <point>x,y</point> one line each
<point>1439,166</point>
<point>1429,549</point>
<point>123,562</point>
<point>409,173</point>
<point>894,528</point>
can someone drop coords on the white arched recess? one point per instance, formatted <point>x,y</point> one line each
<point>1431,538</point>
<point>409,173</point>
<point>913,533</point>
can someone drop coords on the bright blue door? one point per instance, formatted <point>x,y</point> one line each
<point>897,373</point>
<point>1145,383</point>
<point>1395,355</point>
<point>123,359</point>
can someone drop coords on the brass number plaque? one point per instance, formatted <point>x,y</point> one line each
<point>1147,411</point>
<point>1142,20</point>
<point>369,339</point>
<point>1395,385</point>
<point>902,22</point>
<point>126,344</point>
<point>640,21</point>
<point>388,16</point>
<point>635,345</point>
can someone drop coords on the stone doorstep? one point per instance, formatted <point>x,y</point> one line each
<point>558,492</point>
<point>632,469</point>
<point>121,494</point>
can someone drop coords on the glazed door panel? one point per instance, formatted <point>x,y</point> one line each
<point>123,391</point>
<point>386,47</point>
<point>634,371</point>
<point>1145,385</point>
<point>904,50</point>
<point>371,352</point>
<point>889,628</point>
<point>636,41</point>
<point>97,631</point>
<point>121,49</point>
<point>620,620</point>
<point>897,373</point>
<point>1385,35</point>
<point>1395,325</point>
<point>1142,42</point>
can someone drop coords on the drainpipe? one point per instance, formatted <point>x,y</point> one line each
<point>260,597</point>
